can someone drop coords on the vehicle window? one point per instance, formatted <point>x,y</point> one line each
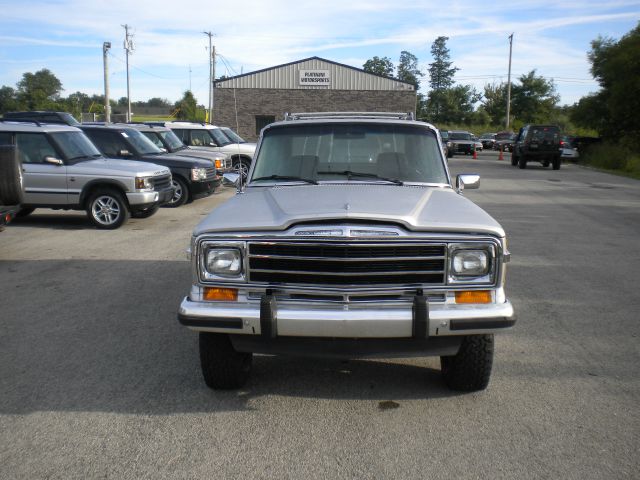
<point>220,138</point>
<point>171,139</point>
<point>233,136</point>
<point>459,136</point>
<point>444,134</point>
<point>33,147</point>
<point>200,138</point>
<point>140,143</point>
<point>5,138</point>
<point>545,134</point>
<point>153,137</point>
<point>75,146</point>
<point>399,152</point>
<point>108,142</point>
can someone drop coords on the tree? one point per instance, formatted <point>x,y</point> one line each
<point>408,70</point>
<point>8,100</point>
<point>158,102</point>
<point>186,106</point>
<point>379,66</point>
<point>495,102</point>
<point>534,99</point>
<point>37,91</point>
<point>440,71</point>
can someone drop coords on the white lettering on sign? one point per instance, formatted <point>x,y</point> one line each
<point>315,77</point>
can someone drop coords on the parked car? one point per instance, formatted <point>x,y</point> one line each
<point>477,144</point>
<point>539,143</point>
<point>192,178</point>
<point>488,140</point>
<point>166,140</point>
<point>568,149</point>
<point>349,239</point>
<point>504,141</point>
<point>211,137</point>
<point>42,116</point>
<point>11,184</point>
<point>232,135</point>
<point>62,169</point>
<point>461,142</point>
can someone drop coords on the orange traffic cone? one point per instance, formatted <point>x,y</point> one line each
<point>501,157</point>
<point>475,154</point>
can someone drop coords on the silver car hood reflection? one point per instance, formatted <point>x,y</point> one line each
<point>417,208</point>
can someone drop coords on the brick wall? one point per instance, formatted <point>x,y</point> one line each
<point>252,102</point>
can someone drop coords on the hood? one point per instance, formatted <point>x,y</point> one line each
<point>432,209</point>
<point>204,154</point>
<point>125,168</point>
<point>239,148</point>
<point>178,161</point>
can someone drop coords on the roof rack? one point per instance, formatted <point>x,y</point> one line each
<point>10,120</point>
<point>338,115</point>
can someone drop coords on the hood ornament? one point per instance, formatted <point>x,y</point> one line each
<point>347,207</point>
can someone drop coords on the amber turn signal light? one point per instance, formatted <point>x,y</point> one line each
<point>220,294</point>
<point>218,164</point>
<point>473,296</point>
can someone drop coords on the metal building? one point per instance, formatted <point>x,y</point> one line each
<point>249,102</point>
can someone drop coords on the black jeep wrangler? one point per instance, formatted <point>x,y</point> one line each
<point>540,143</point>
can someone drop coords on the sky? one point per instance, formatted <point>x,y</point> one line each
<point>66,36</point>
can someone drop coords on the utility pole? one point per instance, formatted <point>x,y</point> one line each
<point>211,61</point>
<point>128,47</point>
<point>190,78</point>
<point>107,106</point>
<point>509,81</point>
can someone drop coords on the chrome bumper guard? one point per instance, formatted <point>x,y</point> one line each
<point>270,319</point>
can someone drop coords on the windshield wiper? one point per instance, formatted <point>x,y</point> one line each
<point>350,174</point>
<point>285,177</point>
<point>93,155</point>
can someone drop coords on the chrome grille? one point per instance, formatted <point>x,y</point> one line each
<point>346,264</point>
<point>161,183</point>
<point>211,173</point>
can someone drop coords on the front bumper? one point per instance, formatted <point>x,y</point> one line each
<point>206,188</point>
<point>143,198</point>
<point>271,319</point>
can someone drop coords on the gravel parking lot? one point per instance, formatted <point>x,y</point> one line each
<point>98,379</point>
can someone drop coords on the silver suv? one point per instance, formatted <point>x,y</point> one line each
<point>349,239</point>
<point>62,169</point>
<point>202,136</point>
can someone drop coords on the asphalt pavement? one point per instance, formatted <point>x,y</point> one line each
<point>98,379</point>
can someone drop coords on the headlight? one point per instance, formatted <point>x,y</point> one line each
<point>226,262</point>
<point>198,174</point>
<point>472,263</point>
<point>144,183</point>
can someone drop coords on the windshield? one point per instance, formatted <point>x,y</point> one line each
<point>220,138</point>
<point>365,152</point>
<point>444,134</point>
<point>140,143</point>
<point>75,146</point>
<point>459,136</point>
<point>233,136</point>
<point>171,140</point>
<point>505,136</point>
<point>155,139</point>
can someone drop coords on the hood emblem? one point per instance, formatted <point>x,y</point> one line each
<point>347,207</point>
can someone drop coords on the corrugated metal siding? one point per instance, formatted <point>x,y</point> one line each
<point>287,77</point>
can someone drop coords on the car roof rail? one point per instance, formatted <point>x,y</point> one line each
<point>339,115</point>
<point>10,120</point>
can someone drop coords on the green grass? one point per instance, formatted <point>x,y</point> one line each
<point>152,118</point>
<point>613,158</point>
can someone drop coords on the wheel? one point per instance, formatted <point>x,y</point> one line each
<point>180,195</point>
<point>107,209</point>
<point>222,367</point>
<point>242,167</point>
<point>11,181</point>
<point>514,159</point>
<point>556,162</point>
<point>469,370</point>
<point>24,212</point>
<point>146,213</point>
<point>522,161</point>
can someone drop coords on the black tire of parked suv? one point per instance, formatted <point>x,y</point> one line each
<point>242,167</point>
<point>223,368</point>
<point>556,162</point>
<point>107,209</point>
<point>146,213</point>
<point>180,195</point>
<point>469,370</point>
<point>11,182</point>
<point>23,212</point>
<point>514,159</point>
<point>522,161</point>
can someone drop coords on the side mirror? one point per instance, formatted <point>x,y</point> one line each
<point>124,153</point>
<point>469,181</point>
<point>231,180</point>
<point>53,160</point>
<point>164,150</point>
<point>211,144</point>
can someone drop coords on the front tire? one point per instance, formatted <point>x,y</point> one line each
<point>522,161</point>
<point>180,194</point>
<point>469,370</point>
<point>556,162</point>
<point>223,368</point>
<point>242,167</point>
<point>514,159</point>
<point>11,179</point>
<point>107,209</point>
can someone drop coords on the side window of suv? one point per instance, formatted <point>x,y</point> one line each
<point>34,147</point>
<point>182,135</point>
<point>109,143</point>
<point>5,138</point>
<point>200,137</point>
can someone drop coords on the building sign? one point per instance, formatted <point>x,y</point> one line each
<point>315,77</point>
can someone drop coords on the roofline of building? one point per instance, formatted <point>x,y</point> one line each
<point>216,82</point>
